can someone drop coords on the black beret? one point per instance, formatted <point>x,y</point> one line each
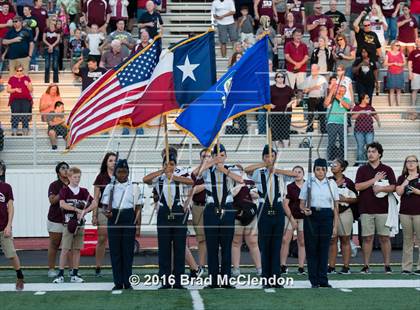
<point>122,164</point>
<point>320,162</point>
<point>266,149</point>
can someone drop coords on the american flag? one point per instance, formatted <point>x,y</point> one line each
<point>110,100</point>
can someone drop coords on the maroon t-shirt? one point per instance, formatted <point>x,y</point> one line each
<point>368,202</point>
<point>55,213</point>
<point>244,194</point>
<point>414,57</point>
<point>297,12</point>
<point>293,192</point>
<point>51,36</point>
<point>19,83</point>
<point>6,194</point>
<point>101,181</point>
<point>41,16</point>
<point>388,7</point>
<point>314,33</point>
<point>287,31</point>
<point>74,200</point>
<point>200,197</point>
<point>3,20</point>
<point>406,31</point>
<point>410,204</point>
<point>364,122</point>
<point>280,97</point>
<point>297,53</point>
<point>357,6</point>
<point>265,7</point>
<point>96,11</point>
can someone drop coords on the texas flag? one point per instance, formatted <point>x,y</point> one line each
<point>184,71</point>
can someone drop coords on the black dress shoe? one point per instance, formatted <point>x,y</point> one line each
<point>165,287</point>
<point>128,287</point>
<point>117,287</point>
<point>179,287</point>
<point>228,286</point>
<point>314,286</point>
<point>278,286</point>
<point>326,285</point>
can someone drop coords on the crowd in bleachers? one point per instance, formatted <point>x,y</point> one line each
<point>344,48</point>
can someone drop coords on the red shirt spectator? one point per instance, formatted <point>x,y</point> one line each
<point>119,9</point>
<point>388,7</point>
<point>293,192</point>
<point>297,52</point>
<point>16,82</point>
<point>5,17</point>
<point>407,32</point>
<point>414,57</point>
<point>398,58</point>
<point>415,6</point>
<point>96,12</point>
<point>265,7</point>
<point>6,193</point>
<point>364,122</point>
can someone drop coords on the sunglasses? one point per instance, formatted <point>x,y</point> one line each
<point>333,165</point>
<point>412,161</point>
<point>16,21</point>
<point>20,70</point>
<point>366,25</point>
<point>318,7</point>
<point>279,77</point>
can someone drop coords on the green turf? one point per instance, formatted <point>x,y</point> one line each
<point>40,275</point>
<point>323,299</point>
<point>313,299</point>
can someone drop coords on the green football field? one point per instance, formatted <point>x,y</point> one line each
<point>375,297</point>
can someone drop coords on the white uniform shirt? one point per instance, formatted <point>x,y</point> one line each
<point>321,196</point>
<point>220,8</point>
<point>256,177</point>
<point>126,194</point>
<point>219,180</point>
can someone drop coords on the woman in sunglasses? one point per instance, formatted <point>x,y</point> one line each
<point>395,61</point>
<point>20,101</point>
<point>343,53</point>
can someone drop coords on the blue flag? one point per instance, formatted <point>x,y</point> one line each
<point>245,87</point>
<point>194,67</point>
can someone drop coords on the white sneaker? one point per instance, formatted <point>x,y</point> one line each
<point>52,273</point>
<point>76,279</point>
<point>236,272</point>
<point>59,279</point>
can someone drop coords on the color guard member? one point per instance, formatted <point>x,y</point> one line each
<point>171,222</point>
<point>125,215</point>
<point>271,189</point>
<point>321,219</point>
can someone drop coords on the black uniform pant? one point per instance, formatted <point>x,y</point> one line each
<point>270,235</point>
<point>318,229</point>
<point>172,236</point>
<point>219,230</point>
<point>121,238</point>
<point>316,105</point>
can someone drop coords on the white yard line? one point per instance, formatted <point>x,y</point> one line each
<point>198,303</point>
<point>107,286</point>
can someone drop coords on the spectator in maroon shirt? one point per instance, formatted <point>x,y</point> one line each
<point>375,180</point>
<point>293,221</point>
<point>414,72</point>
<point>55,217</point>
<point>286,30</point>
<point>296,55</point>
<point>407,30</point>
<point>408,187</point>
<point>98,218</point>
<point>97,12</point>
<point>268,8</point>
<point>364,133</point>
<point>313,23</point>
<point>355,7</point>
<point>114,56</point>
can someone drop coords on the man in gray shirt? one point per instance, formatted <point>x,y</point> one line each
<point>126,39</point>
<point>315,86</point>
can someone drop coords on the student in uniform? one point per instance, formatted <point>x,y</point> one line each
<point>320,223</point>
<point>219,215</point>
<point>98,217</point>
<point>55,219</point>
<point>197,209</point>
<point>271,189</point>
<point>76,202</point>
<point>293,222</point>
<point>6,220</point>
<point>172,226</point>
<point>348,197</point>
<point>125,216</point>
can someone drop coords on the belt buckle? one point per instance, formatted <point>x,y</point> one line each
<point>317,209</point>
<point>171,216</point>
<point>220,211</point>
<point>271,212</point>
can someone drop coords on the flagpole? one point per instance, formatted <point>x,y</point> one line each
<point>165,125</point>
<point>268,126</point>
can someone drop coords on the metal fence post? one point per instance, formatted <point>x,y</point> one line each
<point>345,134</point>
<point>190,150</point>
<point>34,135</point>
